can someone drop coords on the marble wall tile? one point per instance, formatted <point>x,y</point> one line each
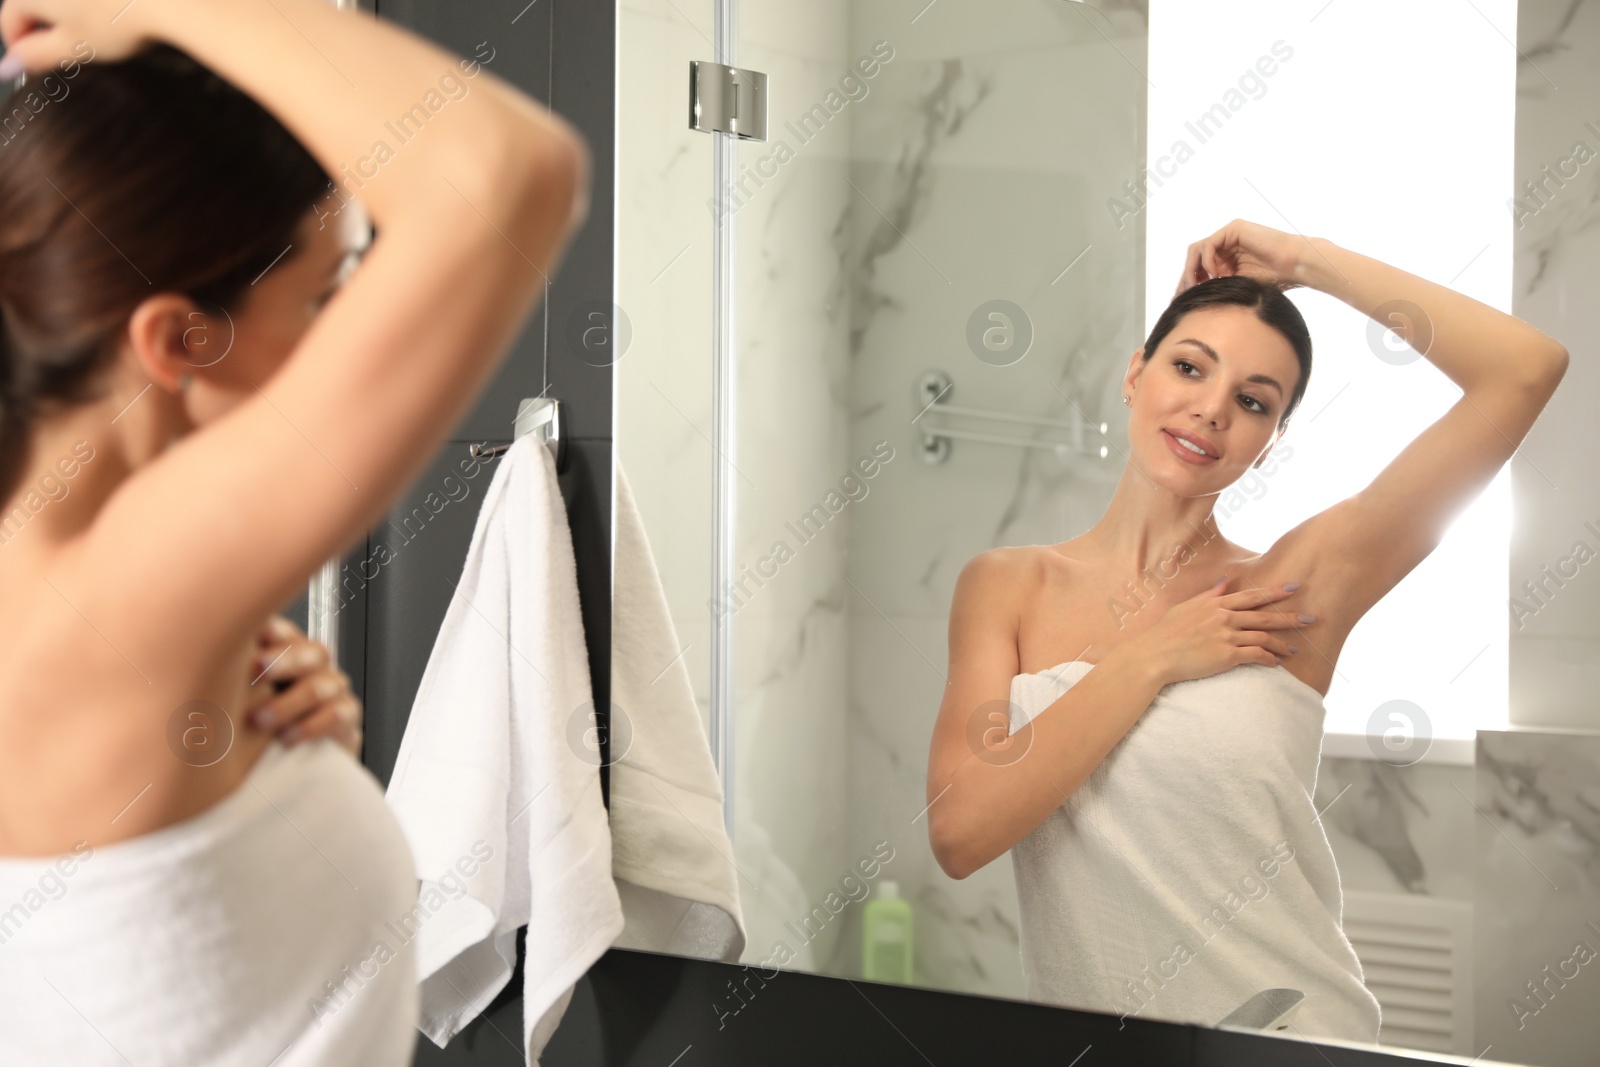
<point>1537,909</point>
<point>1555,217</point>
<point>1399,829</point>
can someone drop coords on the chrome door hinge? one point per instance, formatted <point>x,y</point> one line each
<point>725,99</point>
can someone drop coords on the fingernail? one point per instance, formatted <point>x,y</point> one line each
<point>263,717</point>
<point>1291,587</point>
<point>1294,648</point>
<point>1307,618</point>
<point>10,66</point>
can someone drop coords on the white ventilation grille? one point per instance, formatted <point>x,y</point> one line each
<point>1416,953</point>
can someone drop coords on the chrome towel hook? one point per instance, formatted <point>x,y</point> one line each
<point>536,415</point>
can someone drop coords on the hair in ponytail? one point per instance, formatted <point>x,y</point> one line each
<point>153,175</point>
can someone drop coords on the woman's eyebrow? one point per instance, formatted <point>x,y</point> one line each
<point>1208,350</point>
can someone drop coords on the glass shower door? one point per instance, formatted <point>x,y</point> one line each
<point>930,291</point>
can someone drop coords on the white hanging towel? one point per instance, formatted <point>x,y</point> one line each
<point>495,784</point>
<point>670,853</point>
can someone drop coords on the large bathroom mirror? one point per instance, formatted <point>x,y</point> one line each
<point>885,331</point>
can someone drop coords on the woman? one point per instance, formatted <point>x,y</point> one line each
<point>202,402</point>
<point>1142,755</point>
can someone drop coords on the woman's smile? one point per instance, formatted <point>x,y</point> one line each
<point>1187,450</point>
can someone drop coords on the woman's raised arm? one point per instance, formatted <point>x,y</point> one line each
<point>1507,371</point>
<point>339,80</point>
<point>472,213</point>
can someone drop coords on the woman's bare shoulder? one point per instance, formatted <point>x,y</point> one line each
<point>1015,564</point>
<point>1011,577</point>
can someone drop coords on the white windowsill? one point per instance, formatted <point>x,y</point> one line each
<point>1456,751</point>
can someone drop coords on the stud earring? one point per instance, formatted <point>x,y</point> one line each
<point>184,381</point>
<point>1125,400</point>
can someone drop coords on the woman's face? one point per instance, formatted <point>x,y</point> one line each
<point>1222,376</point>
<point>231,354</point>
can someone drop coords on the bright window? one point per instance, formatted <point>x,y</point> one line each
<point>1388,129</point>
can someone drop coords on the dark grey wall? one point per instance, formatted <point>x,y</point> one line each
<point>558,51</point>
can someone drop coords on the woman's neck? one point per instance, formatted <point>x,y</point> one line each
<point>1157,530</point>
<point>76,460</point>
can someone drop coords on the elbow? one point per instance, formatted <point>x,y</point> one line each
<point>958,871</point>
<point>552,173</point>
<point>948,851</point>
<point>1534,375</point>
<point>1560,361</point>
<point>952,864</point>
<point>569,169</point>
<point>1552,367</point>
<point>527,175</point>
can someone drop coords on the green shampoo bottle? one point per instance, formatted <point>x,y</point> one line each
<point>886,936</point>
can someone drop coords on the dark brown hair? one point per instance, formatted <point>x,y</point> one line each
<point>1270,306</point>
<point>145,176</point>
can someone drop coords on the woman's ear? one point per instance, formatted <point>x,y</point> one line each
<point>172,338</point>
<point>156,336</point>
<point>1135,368</point>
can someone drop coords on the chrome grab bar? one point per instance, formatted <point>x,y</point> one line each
<point>931,390</point>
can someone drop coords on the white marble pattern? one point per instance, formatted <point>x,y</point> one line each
<point>1537,915</point>
<point>1555,651</point>
<point>1398,829</point>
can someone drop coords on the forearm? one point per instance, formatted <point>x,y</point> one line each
<point>1474,345</point>
<point>989,806</point>
<point>341,80</point>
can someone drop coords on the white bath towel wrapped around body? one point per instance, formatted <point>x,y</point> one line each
<point>1190,871</point>
<point>262,930</point>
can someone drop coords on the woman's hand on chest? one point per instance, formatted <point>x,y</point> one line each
<point>297,692</point>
